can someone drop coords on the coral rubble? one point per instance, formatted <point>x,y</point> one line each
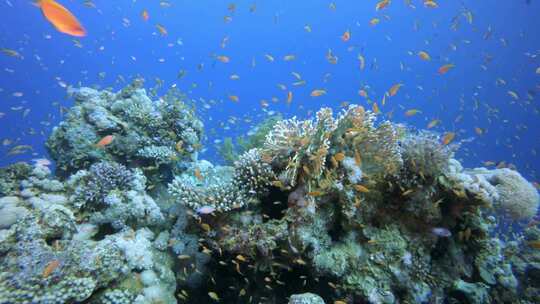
<point>336,209</point>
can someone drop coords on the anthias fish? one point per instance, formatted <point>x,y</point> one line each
<point>61,18</point>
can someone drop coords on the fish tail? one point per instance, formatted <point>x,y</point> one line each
<point>37,3</point>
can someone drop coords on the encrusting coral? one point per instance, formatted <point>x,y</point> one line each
<point>338,208</point>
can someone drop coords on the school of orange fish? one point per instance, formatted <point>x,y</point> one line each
<point>387,103</point>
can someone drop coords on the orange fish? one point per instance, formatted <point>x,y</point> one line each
<point>479,131</point>
<point>375,108</point>
<point>62,19</point>
<point>394,89</point>
<point>445,68</point>
<point>424,56</point>
<point>162,30</point>
<point>340,156</point>
<point>361,188</point>
<point>234,98</point>
<point>363,93</point>
<point>289,97</point>
<point>374,21</point>
<point>145,15</point>
<point>224,59</point>
<point>430,4</point>
<point>448,138</point>
<point>107,140</point>
<point>382,4</point>
<point>346,36</point>
<point>317,93</point>
<point>51,266</point>
<point>198,174</point>
<point>433,123</point>
<point>412,112</point>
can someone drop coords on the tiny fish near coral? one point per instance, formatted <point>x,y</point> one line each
<point>51,266</point>
<point>206,210</point>
<point>441,232</point>
<point>107,140</point>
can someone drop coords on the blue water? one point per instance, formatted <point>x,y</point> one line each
<point>501,43</point>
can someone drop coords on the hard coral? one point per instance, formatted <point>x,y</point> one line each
<point>136,123</point>
<point>223,189</point>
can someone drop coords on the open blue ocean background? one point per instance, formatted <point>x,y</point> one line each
<point>495,55</point>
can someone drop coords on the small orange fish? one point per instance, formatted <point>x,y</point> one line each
<point>162,30</point>
<point>145,15</point>
<point>315,193</point>
<point>361,188</point>
<point>198,174</point>
<point>433,123</point>
<point>339,156</point>
<point>445,68</point>
<point>289,97</point>
<point>374,21</point>
<point>448,138</point>
<point>62,19</point>
<point>363,93</point>
<point>412,112</point>
<point>375,108</point>
<point>394,89</point>
<point>51,266</point>
<point>317,93</point>
<point>234,98</point>
<point>424,56</point>
<point>105,141</point>
<point>289,57</point>
<point>224,59</point>
<point>357,158</point>
<point>479,131</point>
<point>382,4</point>
<point>346,36</point>
<point>430,4</point>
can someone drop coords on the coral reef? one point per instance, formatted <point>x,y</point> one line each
<point>152,135</point>
<point>336,209</point>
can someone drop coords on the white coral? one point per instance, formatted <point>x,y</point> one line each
<point>517,196</point>
<point>504,189</point>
